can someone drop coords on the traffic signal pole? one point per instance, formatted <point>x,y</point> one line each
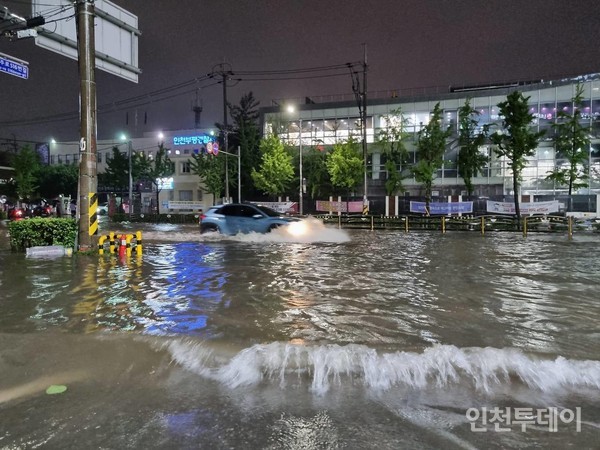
<point>88,181</point>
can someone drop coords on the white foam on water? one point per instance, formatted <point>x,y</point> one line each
<point>308,230</point>
<point>440,366</point>
<point>305,231</point>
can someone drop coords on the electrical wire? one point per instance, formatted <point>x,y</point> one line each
<point>293,78</point>
<point>156,96</point>
<point>305,70</point>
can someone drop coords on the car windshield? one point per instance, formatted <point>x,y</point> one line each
<point>268,211</point>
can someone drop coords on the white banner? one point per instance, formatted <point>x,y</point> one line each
<point>526,208</point>
<point>280,207</point>
<point>185,205</point>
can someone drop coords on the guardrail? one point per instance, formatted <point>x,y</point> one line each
<point>123,244</point>
<point>443,224</point>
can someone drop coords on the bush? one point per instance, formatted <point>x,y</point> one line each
<point>42,232</point>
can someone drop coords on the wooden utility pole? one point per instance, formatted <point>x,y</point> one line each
<point>88,181</point>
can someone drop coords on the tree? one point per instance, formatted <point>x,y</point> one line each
<point>391,140</point>
<point>431,146</point>
<point>470,139</point>
<point>116,174</point>
<point>155,169</point>
<point>246,135</point>
<point>516,141</point>
<point>345,165</point>
<point>211,170</point>
<point>275,171</point>
<point>314,164</point>
<point>57,179</point>
<point>26,162</point>
<point>571,141</point>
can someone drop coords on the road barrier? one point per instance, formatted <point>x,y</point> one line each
<point>482,224</point>
<point>121,243</point>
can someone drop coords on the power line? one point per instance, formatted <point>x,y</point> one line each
<point>292,78</point>
<point>158,95</point>
<point>305,70</point>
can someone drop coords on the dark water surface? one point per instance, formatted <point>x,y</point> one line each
<point>359,340</point>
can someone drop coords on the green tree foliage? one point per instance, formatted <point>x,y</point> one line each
<point>516,141</point>
<point>246,134</point>
<point>275,171</point>
<point>55,180</point>
<point>116,174</point>
<point>471,136</point>
<point>571,142</point>
<point>391,139</point>
<point>345,164</point>
<point>154,169</point>
<point>211,170</point>
<point>431,146</point>
<point>26,163</point>
<point>318,181</point>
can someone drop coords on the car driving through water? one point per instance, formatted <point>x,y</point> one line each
<point>234,218</point>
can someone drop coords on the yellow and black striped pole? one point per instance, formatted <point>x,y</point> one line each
<point>92,214</point>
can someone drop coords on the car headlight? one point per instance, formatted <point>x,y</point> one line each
<point>299,228</point>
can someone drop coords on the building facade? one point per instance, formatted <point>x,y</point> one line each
<point>324,124</point>
<point>180,193</point>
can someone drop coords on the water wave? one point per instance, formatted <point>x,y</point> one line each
<point>439,366</point>
<point>306,231</point>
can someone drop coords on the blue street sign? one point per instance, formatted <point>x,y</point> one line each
<point>14,68</point>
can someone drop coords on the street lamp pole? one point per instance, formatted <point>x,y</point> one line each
<point>301,209</point>
<point>130,179</point>
<point>239,174</point>
<point>291,109</point>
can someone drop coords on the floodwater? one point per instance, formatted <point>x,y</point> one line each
<point>354,340</point>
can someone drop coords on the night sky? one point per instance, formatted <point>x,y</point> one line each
<point>410,44</point>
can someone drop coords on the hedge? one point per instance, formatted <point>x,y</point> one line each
<point>41,232</point>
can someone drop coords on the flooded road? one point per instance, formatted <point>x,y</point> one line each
<point>339,339</point>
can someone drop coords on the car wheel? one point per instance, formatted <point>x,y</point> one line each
<point>209,228</point>
<point>273,227</point>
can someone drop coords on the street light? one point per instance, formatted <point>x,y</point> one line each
<point>291,109</point>
<point>123,137</point>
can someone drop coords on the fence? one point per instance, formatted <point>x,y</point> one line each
<point>482,224</point>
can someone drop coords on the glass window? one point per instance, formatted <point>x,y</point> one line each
<point>99,157</point>
<point>449,118</point>
<point>185,167</point>
<point>564,108</point>
<point>185,196</point>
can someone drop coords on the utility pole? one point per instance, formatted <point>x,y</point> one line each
<point>360,95</point>
<point>88,181</point>
<point>224,71</point>
<point>197,109</point>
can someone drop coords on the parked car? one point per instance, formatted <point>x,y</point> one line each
<point>102,209</point>
<point>234,218</point>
